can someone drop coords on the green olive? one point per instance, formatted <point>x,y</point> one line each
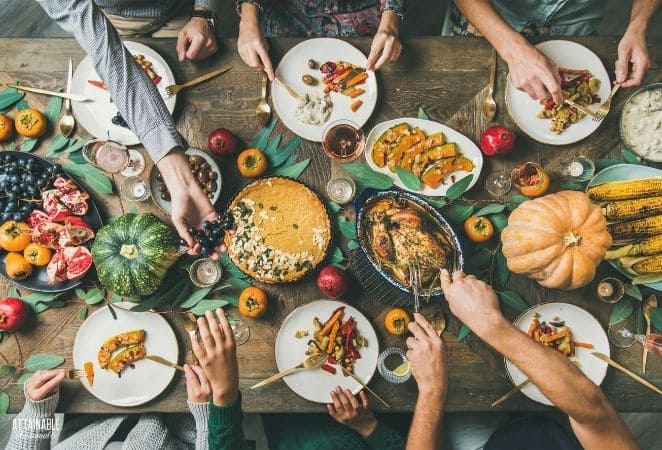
<point>309,80</point>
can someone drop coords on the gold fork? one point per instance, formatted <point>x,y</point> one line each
<point>415,284</point>
<point>602,112</point>
<point>191,327</point>
<point>175,88</point>
<point>74,374</point>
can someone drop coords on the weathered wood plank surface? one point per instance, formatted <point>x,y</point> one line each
<point>444,76</point>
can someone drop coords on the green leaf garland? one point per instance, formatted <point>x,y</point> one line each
<point>42,361</point>
<point>459,187</point>
<point>410,180</point>
<point>621,311</point>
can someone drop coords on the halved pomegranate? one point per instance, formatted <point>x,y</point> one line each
<point>36,217</point>
<point>47,234</point>
<point>52,206</point>
<point>79,261</point>
<point>65,185</point>
<point>57,268</point>
<point>76,221</point>
<point>71,236</point>
<point>76,202</point>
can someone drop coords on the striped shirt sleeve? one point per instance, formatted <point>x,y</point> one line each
<point>137,99</point>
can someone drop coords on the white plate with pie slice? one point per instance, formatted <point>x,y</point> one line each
<point>144,380</point>
<point>584,328</point>
<point>96,115</point>
<point>316,384</point>
<point>524,110</point>
<point>294,65</point>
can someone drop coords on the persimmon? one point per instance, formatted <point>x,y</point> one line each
<point>252,302</point>
<point>37,255</point>
<point>15,236</point>
<point>6,128</point>
<point>396,321</point>
<point>30,123</point>
<point>478,229</point>
<point>252,163</point>
<point>17,267</point>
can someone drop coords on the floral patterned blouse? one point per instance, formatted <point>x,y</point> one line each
<point>316,18</point>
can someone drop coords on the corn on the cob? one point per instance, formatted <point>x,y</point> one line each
<point>646,247</point>
<point>649,265</point>
<point>636,229</point>
<point>633,209</point>
<point>623,190</point>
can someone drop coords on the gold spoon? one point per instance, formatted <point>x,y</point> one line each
<point>191,327</point>
<point>67,122</point>
<point>649,304</point>
<point>489,105</point>
<point>263,111</point>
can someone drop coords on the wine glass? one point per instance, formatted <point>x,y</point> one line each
<point>498,183</point>
<point>622,337</point>
<point>240,329</point>
<point>528,174</point>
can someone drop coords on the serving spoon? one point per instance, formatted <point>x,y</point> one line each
<point>67,122</point>
<point>489,105</point>
<point>263,111</point>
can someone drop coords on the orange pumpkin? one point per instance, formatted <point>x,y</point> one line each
<point>558,240</point>
<point>30,123</point>
<point>17,267</point>
<point>396,321</point>
<point>252,302</point>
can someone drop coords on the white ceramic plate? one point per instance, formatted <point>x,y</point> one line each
<point>465,145</point>
<point>166,205</point>
<point>140,384</point>
<point>295,64</point>
<point>584,328</point>
<point>524,110</point>
<point>315,384</point>
<point>96,115</point>
<point>622,172</point>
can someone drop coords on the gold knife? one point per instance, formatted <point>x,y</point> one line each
<point>358,380</point>
<point>72,97</point>
<point>308,363</point>
<point>627,372</point>
<point>165,362</point>
<point>583,109</point>
<point>511,392</point>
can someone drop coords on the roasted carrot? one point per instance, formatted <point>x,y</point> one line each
<point>357,79</point>
<point>533,327</point>
<point>582,344</point>
<point>332,336</point>
<point>555,336</point>
<point>335,316</point>
<point>356,92</point>
<point>356,105</point>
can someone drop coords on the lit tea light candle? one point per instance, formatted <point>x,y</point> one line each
<point>139,189</point>
<point>134,189</point>
<point>575,169</point>
<point>341,190</point>
<point>205,272</point>
<point>605,289</point>
<point>610,290</point>
<point>580,169</point>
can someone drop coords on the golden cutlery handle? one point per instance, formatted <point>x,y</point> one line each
<point>493,72</point>
<point>74,97</point>
<point>358,380</point>
<point>627,372</point>
<point>265,80</point>
<point>289,90</point>
<point>583,109</point>
<point>206,77</point>
<point>276,377</point>
<point>511,392</point>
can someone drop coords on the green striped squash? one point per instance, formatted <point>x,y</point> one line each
<point>133,254</point>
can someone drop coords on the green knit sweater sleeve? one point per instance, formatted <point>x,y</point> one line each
<point>385,438</point>
<point>225,427</point>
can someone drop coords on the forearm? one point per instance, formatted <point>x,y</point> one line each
<point>250,13</point>
<point>425,430</point>
<point>135,96</point>
<point>642,13</point>
<point>29,431</point>
<point>390,22</point>
<point>200,413</point>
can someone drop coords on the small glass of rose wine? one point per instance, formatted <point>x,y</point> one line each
<point>527,174</point>
<point>108,156</point>
<point>343,141</point>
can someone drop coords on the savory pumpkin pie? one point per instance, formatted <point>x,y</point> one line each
<point>282,230</point>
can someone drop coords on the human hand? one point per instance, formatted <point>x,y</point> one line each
<point>532,72</point>
<point>198,388</point>
<point>253,48</point>
<point>386,46</point>
<point>427,357</point>
<point>347,410</point>
<point>196,40</point>
<point>190,207</point>
<point>472,301</point>
<point>217,356</point>
<point>632,50</point>
<point>43,384</point>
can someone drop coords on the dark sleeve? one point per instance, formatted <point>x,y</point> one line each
<point>385,438</point>
<point>397,6</point>
<point>225,427</point>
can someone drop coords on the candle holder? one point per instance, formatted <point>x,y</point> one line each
<point>580,169</point>
<point>134,189</point>
<point>396,375</point>
<point>610,290</point>
<point>205,272</point>
<point>341,189</point>
<point>136,164</point>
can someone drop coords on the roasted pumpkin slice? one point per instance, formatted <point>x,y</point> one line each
<point>121,340</point>
<point>433,155</point>
<point>388,137</point>
<point>432,141</point>
<point>395,155</point>
<point>88,367</point>
<point>434,174</point>
<point>127,356</point>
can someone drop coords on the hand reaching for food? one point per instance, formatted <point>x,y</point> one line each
<point>386,47</point>
<point>217,356</point>
<point>43,384</point>
<point>532,72</point>
<point>198,388</point>
<point>251,45</point>
<point>633,60</point>
<point>427,357</point>
<point>352,412</point>
<point>196,40</point>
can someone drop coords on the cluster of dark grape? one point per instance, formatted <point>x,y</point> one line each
<point>119,120</point>
<point>211,233</point>
<point>22,178</point>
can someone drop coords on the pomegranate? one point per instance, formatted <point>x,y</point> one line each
<point>52,206</point>
<point>333,281</point>
<point>13,313</point>
<point>76,202</point>
<point>77,222</point>
<point>36,217</point>
<point>71,235</point>
<point>57,268</point>
<point>65,185</point>
<point>497,140</point>
<point>222,142</point>
<point>47,234</point>
<point>79,261</point>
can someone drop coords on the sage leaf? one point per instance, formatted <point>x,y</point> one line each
<point>22,379</point>
<point>41,297</point>
<point>437,202</point>
<point>333,207</point>
<point>207,305</point>
<point>337,257</point>
<point>459,187</point>
<point>352,245</point>
<point>500,221</point>
<point>13,292</point>
<point>77,157</point>
<point>112,311</point>
<point>293,171</point>
<point>634,292</point>
<point>410,180</point>
<point>502,272</point>
<point>39,307</point>
<point>492,208</point>
<point>631,157</point>
<point>22,104</point>
<point>95,296</point>
<point>4,403</point>
<point>621,311</point>
<point>513,300</point>
<point>76,146</point>
<point>58,143</point>
<point>285,151</point>
<point>82,313</point>
<point>604,163</point>
<point>272,146</point>
<point>347,228</point>
<point>574,186</point>
<point>463,333</point>
<point>52,110</point>
<point>459,212</point>
<point>422,114</point>
<point>195,297</point>
<point>97,180</point>
<point>367,177</point>
<point>7,371</point>
<point>516,200</point>
<point>42,361</point>
<point>28,144</point>
<point>656,318</point>
<point>262,137</point>
<point>478,260</point>
<point>9,98</point>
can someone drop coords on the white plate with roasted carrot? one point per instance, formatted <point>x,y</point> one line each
<point>432,153</point>
<point>353,347</point>
<point>568,329</point>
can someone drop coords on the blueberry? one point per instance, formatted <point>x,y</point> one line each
<point>204,251</point>
<point>6,216</point>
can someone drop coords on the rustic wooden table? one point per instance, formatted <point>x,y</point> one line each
<point>447,77</point>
